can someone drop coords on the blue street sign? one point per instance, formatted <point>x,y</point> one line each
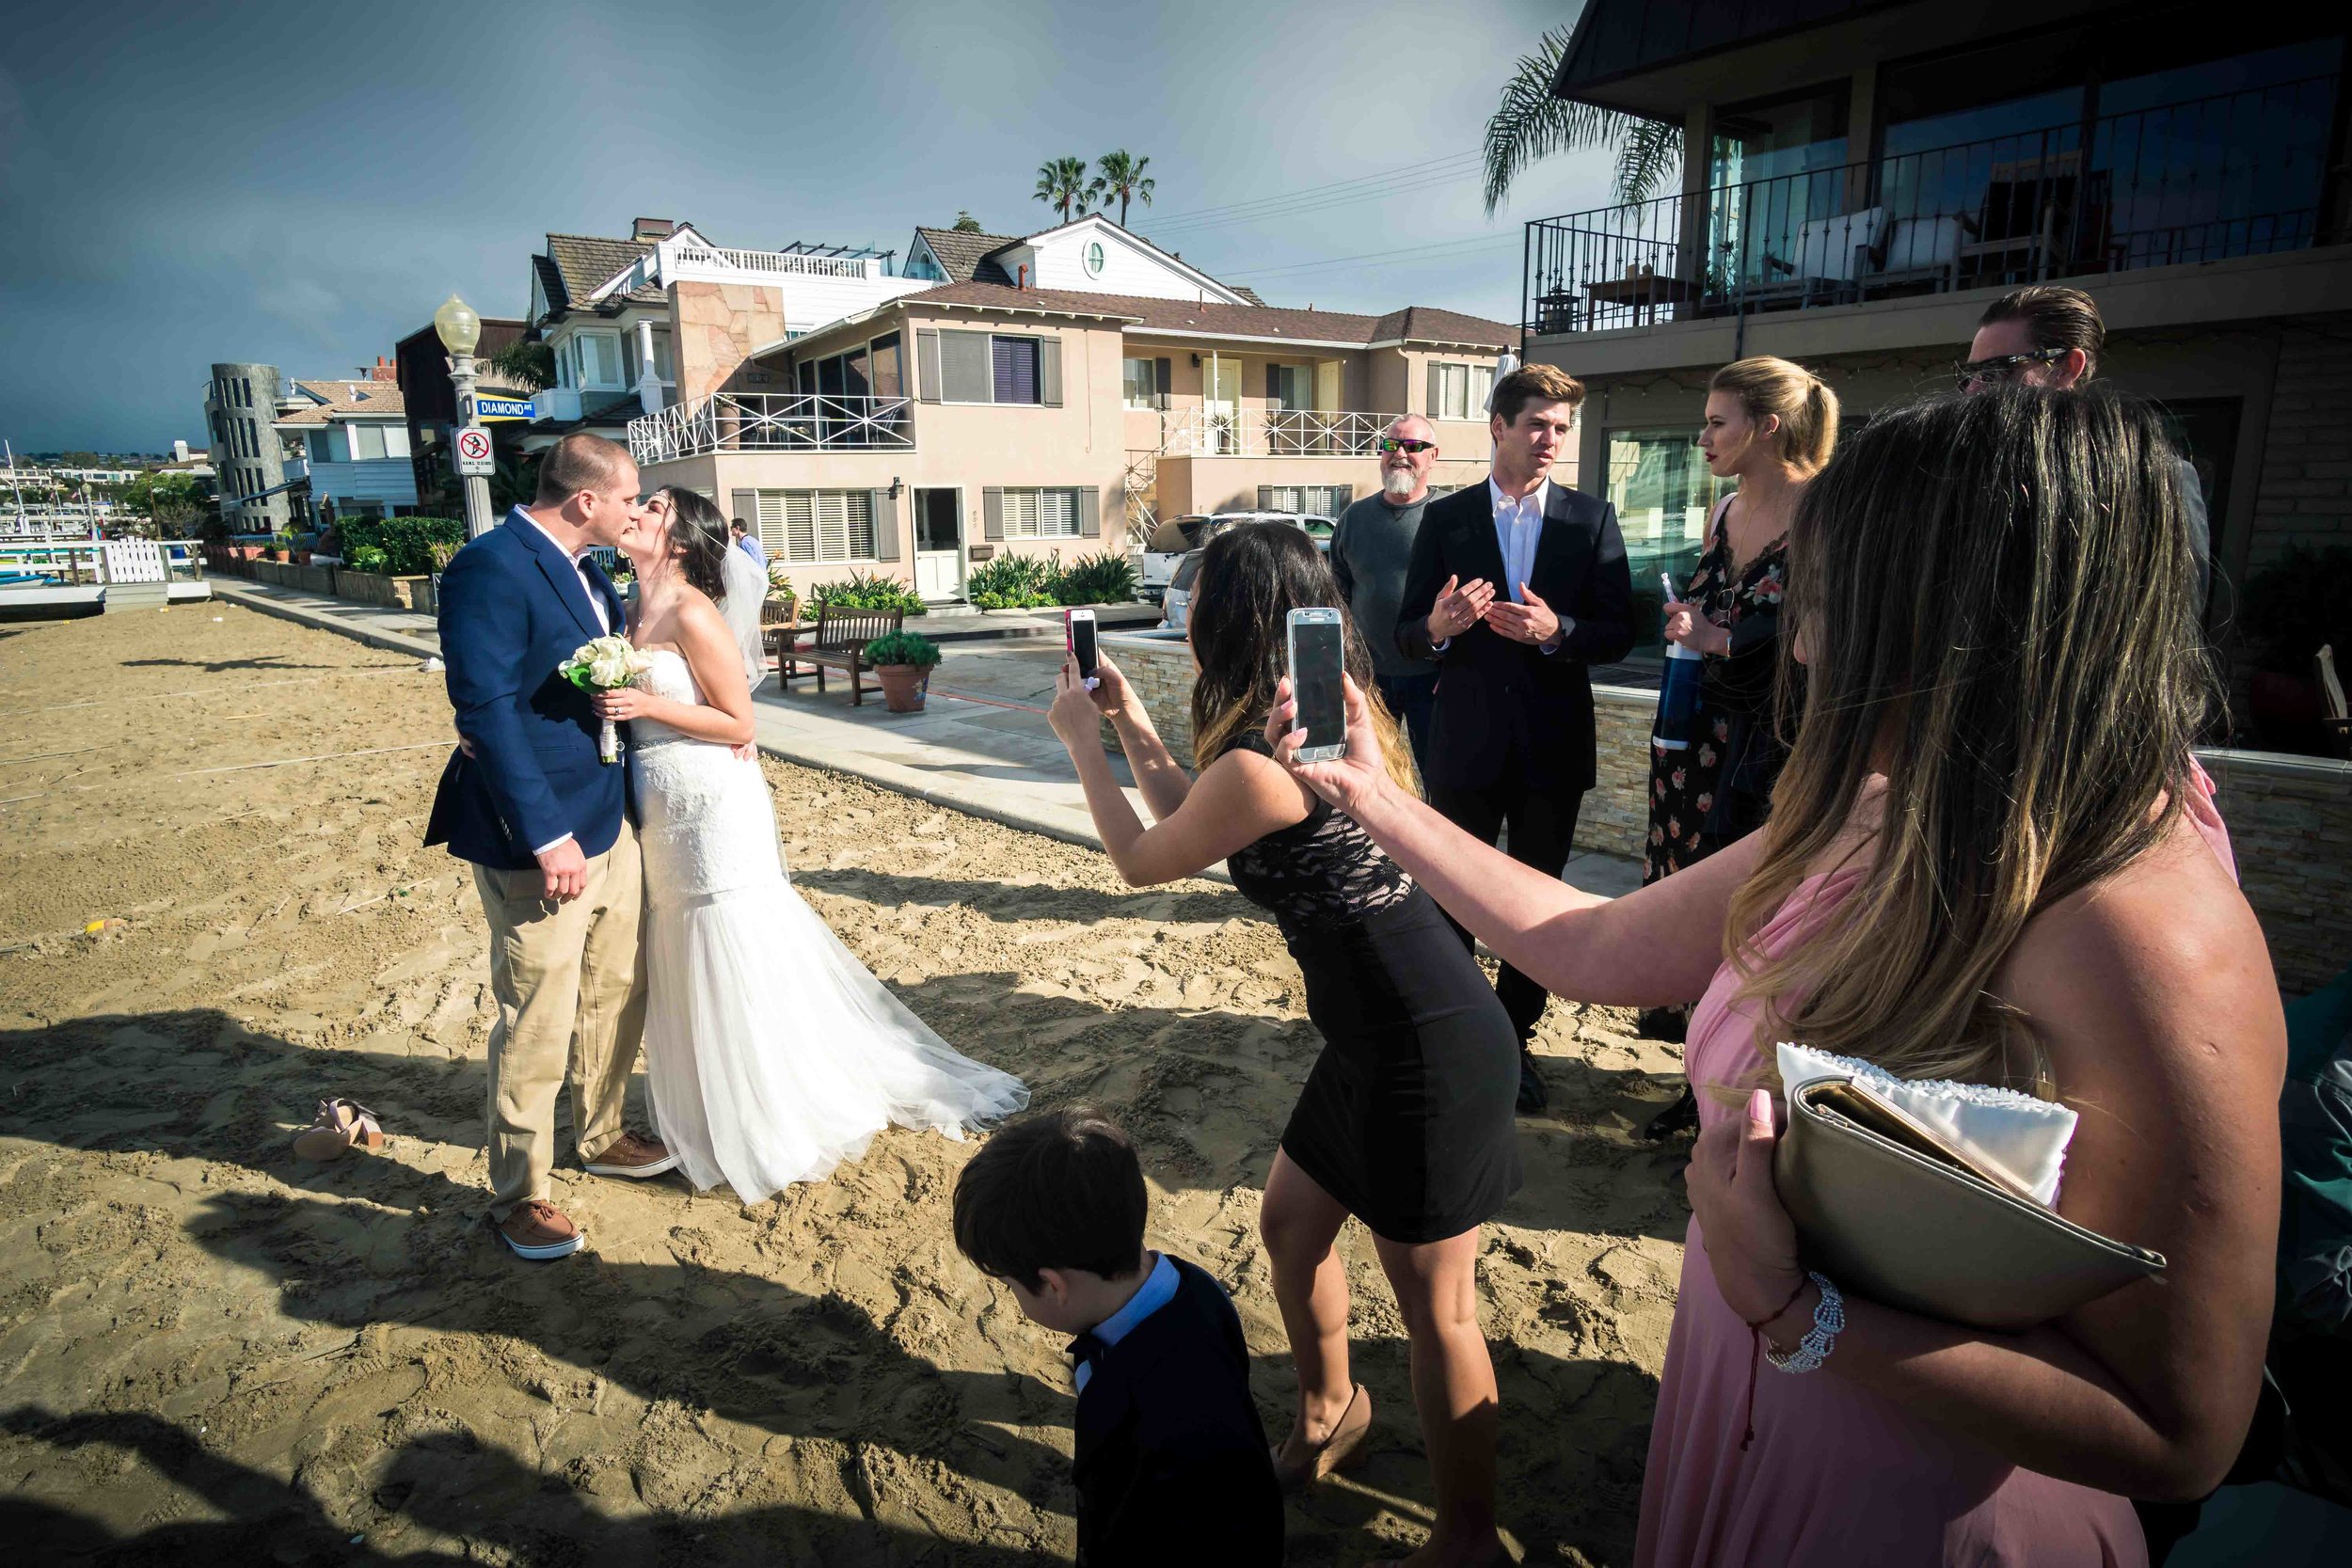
<point>502,408</point>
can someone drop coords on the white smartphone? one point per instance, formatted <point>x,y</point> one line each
<point>1081,644</point>
<point>1318,660</point>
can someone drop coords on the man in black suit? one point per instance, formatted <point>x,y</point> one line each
<point>1517,586</point>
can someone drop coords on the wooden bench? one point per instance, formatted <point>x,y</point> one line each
<point>839,644</point>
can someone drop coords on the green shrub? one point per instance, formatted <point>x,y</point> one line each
<point>367,558</point>
<point>406,542</point>
<point>903,648</point>
<point>1011,583</point>
<point>869,591</point>
<point>1108,578</point>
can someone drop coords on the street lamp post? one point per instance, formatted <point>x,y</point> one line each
<point>460,329</point>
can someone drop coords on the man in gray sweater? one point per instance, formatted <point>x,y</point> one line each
<point>1369,553</point>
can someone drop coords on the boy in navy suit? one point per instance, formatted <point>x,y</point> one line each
<point>1172,1463</point>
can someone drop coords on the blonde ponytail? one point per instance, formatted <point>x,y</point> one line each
<point>1800,401</point>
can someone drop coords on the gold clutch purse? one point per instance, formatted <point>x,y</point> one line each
<point>1891,1212</point>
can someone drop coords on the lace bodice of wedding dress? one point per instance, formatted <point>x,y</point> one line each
<point>708,823</point>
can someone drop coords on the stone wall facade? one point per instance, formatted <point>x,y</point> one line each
<point>2290,822</point>
<point>2305,497</point>
<point>1160,672</point>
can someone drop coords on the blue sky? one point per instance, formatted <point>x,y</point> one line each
<point>300,185</point>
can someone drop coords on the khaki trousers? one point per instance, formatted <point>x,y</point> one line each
<point>570,982</point>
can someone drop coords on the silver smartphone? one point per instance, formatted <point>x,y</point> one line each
<point>1318,660</point>
<point>1080,625</point>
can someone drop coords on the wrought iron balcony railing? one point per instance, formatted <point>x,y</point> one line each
<point>771,422</point>
<point>2235,174</point>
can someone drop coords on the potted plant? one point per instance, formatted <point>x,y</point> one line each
<point>904,661</point>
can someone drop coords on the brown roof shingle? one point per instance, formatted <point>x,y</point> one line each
<point>964,254</point>
<point>583,264</point>
<point>1142,313</point>
<point>344,399</point>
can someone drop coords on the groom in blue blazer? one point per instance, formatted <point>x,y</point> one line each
<point>546,824</point>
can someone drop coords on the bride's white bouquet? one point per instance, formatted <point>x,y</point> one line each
<point>606,664</point>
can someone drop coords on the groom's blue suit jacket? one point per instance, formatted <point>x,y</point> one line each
<point>512,612</point>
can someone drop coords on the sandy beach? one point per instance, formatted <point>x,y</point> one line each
<point>211,1351</point>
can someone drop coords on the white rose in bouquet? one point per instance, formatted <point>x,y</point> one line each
<point>606,664</point>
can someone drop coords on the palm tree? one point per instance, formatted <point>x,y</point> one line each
<point>1532,124</point>
<point>525,362</point>
<point>1062,182</point>
<point>1120,174</point>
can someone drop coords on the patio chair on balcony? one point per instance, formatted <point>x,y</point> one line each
<point>1829,257</point>
<point>1918,255</point>
<point>2026,223</point>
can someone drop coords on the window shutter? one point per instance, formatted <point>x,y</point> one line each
<point>927,363</point>
<point>1089,512</point>
<point>885,516</point>
<point>1049,371</point>
<point>992,513</point>
<point>1274,384</point>
<point>1265,499</point>
<point>747,508</point>
<point>1165,371</point>
<point>796,516</point>
<point>1432,409</point>
<point>1341,496</point>
<point>966,374</point>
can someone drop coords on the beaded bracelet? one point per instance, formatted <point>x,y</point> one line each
<point>1756,1353</point>
<point>1829,1321</point>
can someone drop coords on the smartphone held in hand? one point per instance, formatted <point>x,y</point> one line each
<point>1081,644</point>
<point>1318,648</point>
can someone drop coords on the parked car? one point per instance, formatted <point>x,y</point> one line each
<point>1171,540</point>
<point>1178,597</point>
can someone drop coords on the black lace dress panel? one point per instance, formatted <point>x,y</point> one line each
<point>1406,1117</point>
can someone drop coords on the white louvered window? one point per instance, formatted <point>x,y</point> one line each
<point>1453,396</point>
<point>811,527</point>
<point>1040,513</point>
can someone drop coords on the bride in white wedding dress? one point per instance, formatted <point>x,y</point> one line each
<point>772,1052</point>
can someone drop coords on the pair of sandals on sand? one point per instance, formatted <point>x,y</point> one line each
<point>341,1124</point>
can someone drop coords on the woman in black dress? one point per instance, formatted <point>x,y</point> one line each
<point>1406,1119</point>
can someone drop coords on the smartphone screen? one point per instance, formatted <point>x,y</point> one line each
<point>1082,644</point>
<point>1316,661</point>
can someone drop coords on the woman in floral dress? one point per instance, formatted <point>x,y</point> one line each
<point>1770,425</point>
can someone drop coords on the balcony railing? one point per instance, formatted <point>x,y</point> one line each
<point>1272,432</point>
<point>771,422</point>
<point>2236,174</point>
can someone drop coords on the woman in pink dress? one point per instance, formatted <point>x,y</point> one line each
<point>1991,858</point>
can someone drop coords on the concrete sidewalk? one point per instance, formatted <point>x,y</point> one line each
<point>981,745</point>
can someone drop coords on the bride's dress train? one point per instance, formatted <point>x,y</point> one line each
<point>773,1055</point>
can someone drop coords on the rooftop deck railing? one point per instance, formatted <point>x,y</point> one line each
<point>2234,174</point>
<point>771,422</point>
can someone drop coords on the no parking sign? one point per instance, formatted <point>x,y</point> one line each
<point>473,452</point>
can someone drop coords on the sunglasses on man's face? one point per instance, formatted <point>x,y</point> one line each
<point>2000,367</point>
<point>1389,443</point>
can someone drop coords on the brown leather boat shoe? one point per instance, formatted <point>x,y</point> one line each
<point>634,1156</point>
<point>538,1230</point>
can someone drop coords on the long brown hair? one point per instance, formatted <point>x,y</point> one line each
<point>698,532</point>
<point>1993,597</point>
<point>1252,578</point>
